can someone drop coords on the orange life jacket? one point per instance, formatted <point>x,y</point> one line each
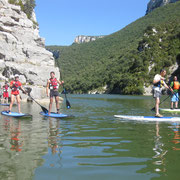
<point>176,85</point>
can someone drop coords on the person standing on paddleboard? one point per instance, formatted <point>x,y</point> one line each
<point>158,83</point>
<point>175,96</point>
<point>15,86</point>
<point>53,85</point>
<point>5,92</point>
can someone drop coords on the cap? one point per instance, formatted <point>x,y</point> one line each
<point>16,75</point>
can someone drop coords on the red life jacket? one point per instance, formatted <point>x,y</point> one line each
<point>53,84</point>
<point>5,88</point>
<point>15,88</point>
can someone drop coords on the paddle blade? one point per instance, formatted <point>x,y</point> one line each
<point>44,109</point>
<point>68,105</point>
<point>153,109</point>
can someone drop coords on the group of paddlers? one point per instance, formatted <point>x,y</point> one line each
<point>53,84</point>
<point>158,83</point>
<point>15,85</point>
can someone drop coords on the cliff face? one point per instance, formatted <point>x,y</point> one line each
<point>22,50</point>
<point>153,4</point>
<point>82,39</point>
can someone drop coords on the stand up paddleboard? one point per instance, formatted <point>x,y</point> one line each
<point>15,114</point>
<point>147,118</point>
<point>170,110</point>
<point>4,104</point>
<point>55,115</point>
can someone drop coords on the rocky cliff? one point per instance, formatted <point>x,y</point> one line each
<point>22,50</point>
<point>153,4</point>
<point>82,39</point>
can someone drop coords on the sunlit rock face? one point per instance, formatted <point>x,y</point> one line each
<point>22,50</point>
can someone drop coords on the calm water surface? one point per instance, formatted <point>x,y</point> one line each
<point>91,146</point>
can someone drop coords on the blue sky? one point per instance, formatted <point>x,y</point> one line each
<point>60,21</point>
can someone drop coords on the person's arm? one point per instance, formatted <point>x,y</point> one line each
<point>60,82</point>
<point>172,84</point>
<point>166,86</point>
<point>23,90</point>
<point>11,84</point>
<point>47,88</point>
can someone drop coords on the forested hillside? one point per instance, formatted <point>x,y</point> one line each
<point>127,60</point>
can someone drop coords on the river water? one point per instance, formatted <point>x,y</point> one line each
<point>93,145</point>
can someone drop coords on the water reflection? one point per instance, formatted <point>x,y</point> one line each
<point>54,142</point>
<point>159,150</point>
<point>176,138</point>
<point>93,145</point>
<point>21,148</point>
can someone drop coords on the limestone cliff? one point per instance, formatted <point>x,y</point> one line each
<point>22,50</point>
<point>82,39</point>
<point>153,4</point>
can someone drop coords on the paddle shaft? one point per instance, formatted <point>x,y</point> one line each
<point>43,108</point>
<point>68,105</point>
<point>161,102</point>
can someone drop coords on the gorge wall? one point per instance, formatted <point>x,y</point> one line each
<point>22,50</point>
<point>153,4</point>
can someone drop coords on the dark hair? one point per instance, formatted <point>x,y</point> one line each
<point>162,70</point>
<point>52,72</point>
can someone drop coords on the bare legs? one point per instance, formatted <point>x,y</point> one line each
<point>51,102</point>
<point>157,101</point>
<point>13,97</point>
<point>176,104</point>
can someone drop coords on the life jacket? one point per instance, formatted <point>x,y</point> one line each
<point>5,88</point>
<point>53,84</point>
<point>15,88</point>
<point>159,84</point>
<point>176,85</point>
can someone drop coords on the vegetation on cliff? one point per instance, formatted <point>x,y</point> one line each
<point>127,60</point>
<point>26,7</point>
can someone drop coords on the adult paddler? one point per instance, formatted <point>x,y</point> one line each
<point>15,86</point>
<point>53,85</point>
<point>175,96</point>
<point>158,83</point>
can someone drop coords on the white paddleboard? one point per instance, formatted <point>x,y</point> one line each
<point>170,110</point>
<point>147,118</point>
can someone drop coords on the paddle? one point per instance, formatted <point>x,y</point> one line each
<point>68,105</point>
<point>153,109</point>
<point>67,102</point>
<point>43,108</point>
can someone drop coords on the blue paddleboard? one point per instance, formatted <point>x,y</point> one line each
<point>15,114</point>
<point>4,104</point>
<point>54,115</point>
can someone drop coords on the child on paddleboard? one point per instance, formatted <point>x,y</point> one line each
<point>53,85</point>
<point>175,96</point>
<point>158,83</point>
<point>5,92</point>
<point>15,86</point>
